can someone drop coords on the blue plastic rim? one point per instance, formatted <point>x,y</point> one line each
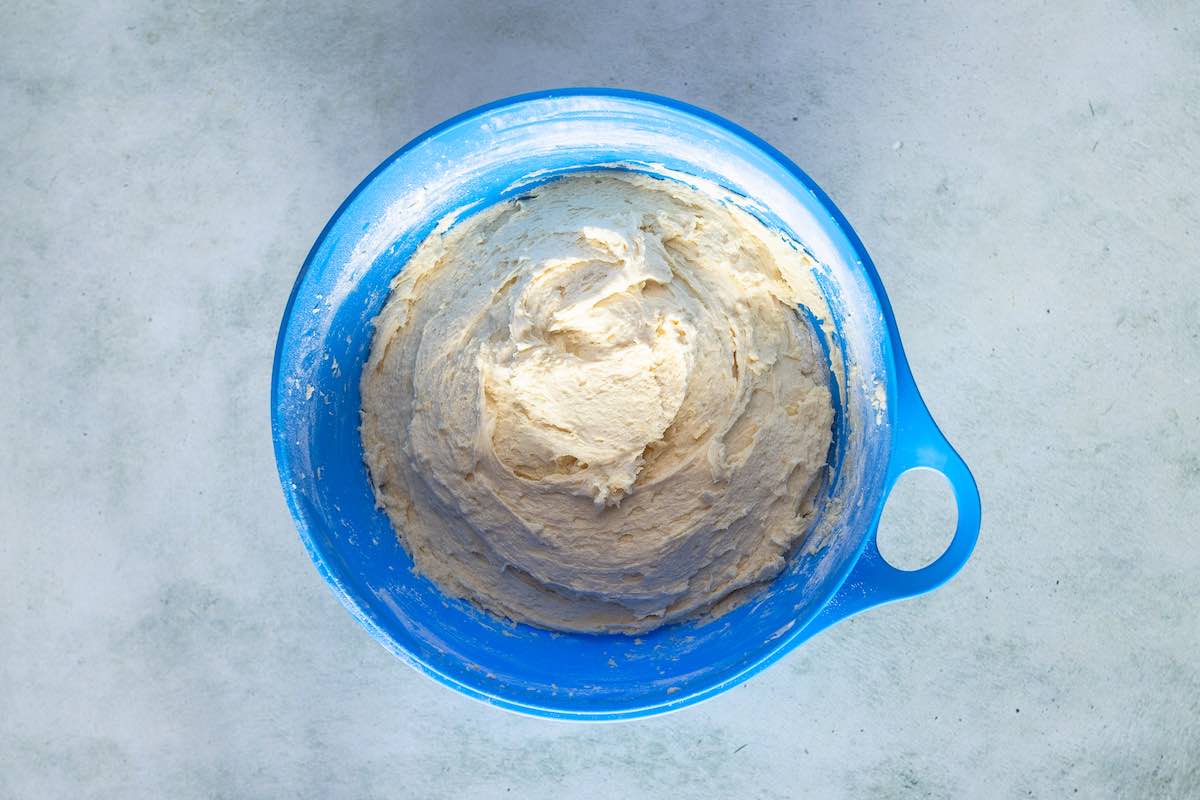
<point>496,151</point>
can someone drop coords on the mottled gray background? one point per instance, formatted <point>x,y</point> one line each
<point>1027,181</point>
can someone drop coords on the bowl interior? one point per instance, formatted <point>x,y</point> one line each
<point>467,164</point>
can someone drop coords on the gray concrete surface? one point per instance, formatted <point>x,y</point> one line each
<point>1027,180</point>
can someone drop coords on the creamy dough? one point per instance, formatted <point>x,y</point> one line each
<point>595,408</point>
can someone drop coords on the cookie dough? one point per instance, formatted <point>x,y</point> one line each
<point>596,407</point>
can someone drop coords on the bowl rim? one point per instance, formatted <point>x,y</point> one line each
<point>893,360</point>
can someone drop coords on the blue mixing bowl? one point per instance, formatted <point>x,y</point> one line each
<point>882,428</point>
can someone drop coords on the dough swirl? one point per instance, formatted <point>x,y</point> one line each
<point>596,408</point>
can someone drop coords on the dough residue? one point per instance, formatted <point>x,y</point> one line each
<point>596,407</point>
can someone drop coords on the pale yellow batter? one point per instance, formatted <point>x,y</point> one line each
<point>595,408</point>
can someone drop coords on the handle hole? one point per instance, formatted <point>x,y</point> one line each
<point>918,521</point>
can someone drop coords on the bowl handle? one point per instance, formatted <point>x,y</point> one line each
<point>917,444</point>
